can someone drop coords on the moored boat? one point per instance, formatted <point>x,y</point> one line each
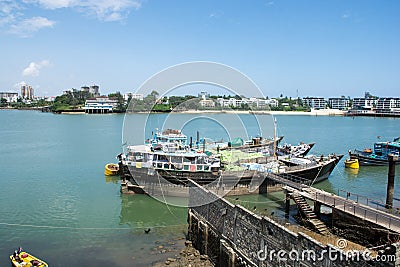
<point>111,169</point>
<point>21,258</point>
<point>351,163</point>
<point>379,155</point>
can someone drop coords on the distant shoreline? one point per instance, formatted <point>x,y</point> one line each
<point>321,112</point>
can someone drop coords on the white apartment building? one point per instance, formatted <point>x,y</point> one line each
<point>100,105</point>
<point>364,103</point>
<point>133,96</point>
<point>339,103</point>
<point>388,104</point>
<point>9,96</point>
<point>314,102</point>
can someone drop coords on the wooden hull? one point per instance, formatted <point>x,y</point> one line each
<point>366,159</point>
<point>317,173</point>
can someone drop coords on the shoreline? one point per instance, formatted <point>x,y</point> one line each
<point>321,112</point>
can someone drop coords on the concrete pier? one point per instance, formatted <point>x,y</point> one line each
<point>234,236</point>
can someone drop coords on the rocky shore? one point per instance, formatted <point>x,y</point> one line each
<point>188,257</point>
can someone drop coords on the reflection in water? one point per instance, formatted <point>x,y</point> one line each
<point>142,212</point>
<point>352,173</point>
<point>112,179</point>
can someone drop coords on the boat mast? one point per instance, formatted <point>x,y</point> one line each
<point>274,137</point>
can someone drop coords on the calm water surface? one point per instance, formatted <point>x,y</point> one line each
<point>55,200</point>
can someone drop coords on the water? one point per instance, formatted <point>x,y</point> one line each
<point>55,200</point>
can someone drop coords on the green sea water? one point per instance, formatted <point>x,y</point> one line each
<point>56,202</point>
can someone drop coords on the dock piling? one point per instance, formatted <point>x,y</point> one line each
<point>390,186</point>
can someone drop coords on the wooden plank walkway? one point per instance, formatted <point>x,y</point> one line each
<point>379,217</point>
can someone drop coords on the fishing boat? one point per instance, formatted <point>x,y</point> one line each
<point>351,163</point>
<point>111,169</point>
<point>168,159</point>
<point>299,150</point>
<point>378,156</point>
<point>251,144</point>
<point>312,168</point>
<point>21,258</point>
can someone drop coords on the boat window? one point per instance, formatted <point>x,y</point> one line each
<point>186,167</point>
<point>162,158</point>
<point>159,165</point>
<point>187,160</point>
<point>199,167</point>
<point>206,167</point>
<point>175,159</point>
<point>200,160</point>
<point>166,166</point>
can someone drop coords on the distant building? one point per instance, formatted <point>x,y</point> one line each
<point>204,95</point>
<point>388,104</point>
<point>364,103</point>
<point>85,89</point>
<point>314,102</point>
<point>94,89</point>
<point>133,96</point>
<point>231,102</point>
<point>252,102</point>
<point>9,96</point>
<point>341,103</point>
<point>207,103</point>
<point>100,105</point>
<point>26,91</point>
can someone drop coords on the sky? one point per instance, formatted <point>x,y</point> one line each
<point>294,48</point>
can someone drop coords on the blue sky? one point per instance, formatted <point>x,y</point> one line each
<point>320,48</point>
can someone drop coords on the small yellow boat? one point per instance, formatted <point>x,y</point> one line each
<point>351,163</point>
<point>111,169</point>
<point>23,259</point>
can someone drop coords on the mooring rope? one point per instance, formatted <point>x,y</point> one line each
<point>87,228</point>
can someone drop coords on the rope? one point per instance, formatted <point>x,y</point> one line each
<point>85,228</point>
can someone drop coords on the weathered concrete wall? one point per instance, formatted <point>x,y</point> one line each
<point>361,231</point>
<point>233,236</point>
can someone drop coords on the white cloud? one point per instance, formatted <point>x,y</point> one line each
<point>34,68</point>
<point>18,85</point>
<point>52,4</point>
<point>9,11</point>
<point>27,27</point>
<point>106,10</point>
<point>346,15</point>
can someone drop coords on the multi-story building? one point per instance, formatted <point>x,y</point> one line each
<point>252,102</point>
<point>314,102</point>
<point>9,96</point>
<point>204,95</point>
<point>133,96</point>
<point>85,88</point>
<point>339,103</point>
<point>364,103</point>
<point>26,91</point>
<point>94,89</point>
<point>388,104</point>
<point>207,103</point>
<point>100,105</point>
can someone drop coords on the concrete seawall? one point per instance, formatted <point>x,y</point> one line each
<point>233,236</point>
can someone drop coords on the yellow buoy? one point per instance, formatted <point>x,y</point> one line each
<point>351,163</point>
